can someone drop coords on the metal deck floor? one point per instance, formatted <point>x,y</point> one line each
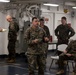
<point>21,67</point>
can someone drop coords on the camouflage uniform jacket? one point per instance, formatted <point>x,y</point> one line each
<point>47,31</point>
<point>47,35</point>
<point>72,47</point>
<point>32,34</point>
<point>64,32</point>
<point>13,29</point>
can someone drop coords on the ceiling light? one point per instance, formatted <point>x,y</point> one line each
<point>74,7</point>
<point>4,0</point>
<point>70,3</point>
<point>54,5</point>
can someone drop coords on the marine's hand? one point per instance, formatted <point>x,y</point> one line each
<point>46,39</point>
<point>69,54</point>
<point>35,41</point>
<point>3,30</point>
<point>64,51</point>
<point>0,29</point>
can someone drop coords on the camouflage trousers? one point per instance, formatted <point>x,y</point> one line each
<point>61,60</point>
<point>40,60</point>
<point>11,49</point>
<point>45,47</point>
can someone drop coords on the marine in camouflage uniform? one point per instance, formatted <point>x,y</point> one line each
<point>70,53</point>
<point>12,37</point>
<point>35,51</point>
<point>47,33</point>
<point>64,32</point>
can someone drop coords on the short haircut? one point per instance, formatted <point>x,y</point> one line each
<point>41,19</point>
<point>63,18</point>
<point>34,18</point>
<point>8,16</point>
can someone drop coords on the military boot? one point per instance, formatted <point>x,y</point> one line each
<point>31,73</point>
<point>11,61</point>
<point>60,72</point>
<point>7,59</point>
<point>73,73</point>
<point>40,72</point>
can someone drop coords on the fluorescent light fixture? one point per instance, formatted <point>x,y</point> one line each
<point>70,3</point>
<point>4,0</point>
<point>54,5</point>
<point>74,7</point>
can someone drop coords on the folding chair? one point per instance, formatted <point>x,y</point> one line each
<point>61,48</point>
